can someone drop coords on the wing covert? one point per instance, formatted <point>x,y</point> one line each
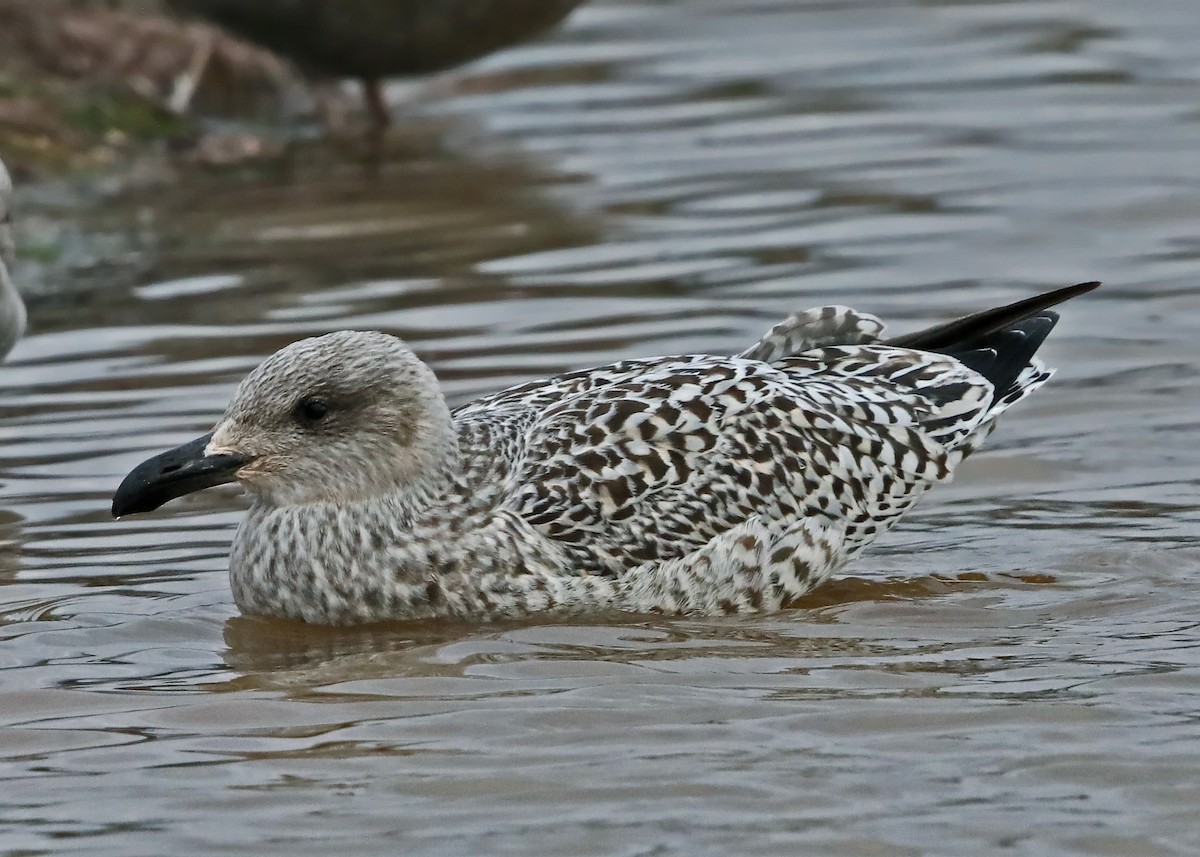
<point>653,465</point>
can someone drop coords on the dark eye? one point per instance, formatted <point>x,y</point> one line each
<point>311,410</point>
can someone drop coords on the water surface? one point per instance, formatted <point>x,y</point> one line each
<point>1014,670</point>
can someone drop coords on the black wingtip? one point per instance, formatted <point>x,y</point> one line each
<point>997,343</point>
<point>1002,356</point>
<point>978,325</point>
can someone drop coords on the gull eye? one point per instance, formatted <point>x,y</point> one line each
<point>311,410</point>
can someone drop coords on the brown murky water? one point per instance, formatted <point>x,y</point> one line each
<point>1015,670</point>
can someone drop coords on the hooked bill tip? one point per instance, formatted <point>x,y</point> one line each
<point>183,470</point>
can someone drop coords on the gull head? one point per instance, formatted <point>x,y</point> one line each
<point>343,418</point>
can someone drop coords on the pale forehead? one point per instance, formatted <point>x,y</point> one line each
<point>344,351</point>
<point>357,357</point>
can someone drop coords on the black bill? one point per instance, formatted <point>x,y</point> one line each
<point>172,474</point>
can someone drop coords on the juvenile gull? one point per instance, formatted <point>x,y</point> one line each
<point>691,484</point>
<point>12,308</point>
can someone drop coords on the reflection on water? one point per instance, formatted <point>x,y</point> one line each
<point>1014,670</point>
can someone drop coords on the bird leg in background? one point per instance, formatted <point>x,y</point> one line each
<point>187,81</point>
<point>379,118</point>
<point>377,108</point>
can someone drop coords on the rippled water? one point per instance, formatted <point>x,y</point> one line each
<point>1015,670</point>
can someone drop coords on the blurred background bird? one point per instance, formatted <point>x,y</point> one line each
<point>12,308</point>
<point>376,39</point>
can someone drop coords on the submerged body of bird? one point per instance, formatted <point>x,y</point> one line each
<point>693,484</point>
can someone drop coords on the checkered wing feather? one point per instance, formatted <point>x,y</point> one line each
<point>649,460</point>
